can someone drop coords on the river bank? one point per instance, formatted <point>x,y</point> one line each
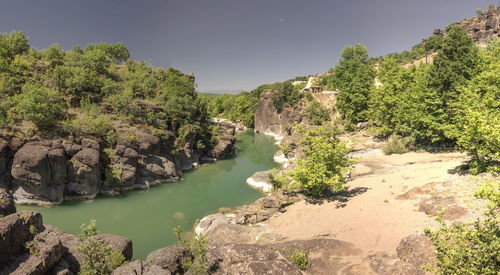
<point>146,217</point>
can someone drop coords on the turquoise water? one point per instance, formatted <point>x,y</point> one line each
<point>146,217</point>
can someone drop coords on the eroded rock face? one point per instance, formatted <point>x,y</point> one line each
<point>38,173</point>
<point>45,251</point>
<point>268,119</point>
<point>15,232</point>
<point>83,175</point>
<point>140,268</point>
<point>168,258</point>
<point>484,26</point>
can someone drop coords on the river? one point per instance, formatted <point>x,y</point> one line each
<point>146,217</point>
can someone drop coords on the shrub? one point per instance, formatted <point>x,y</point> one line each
<point>317,113</point>
<point>42,106</point>
<point>197,247</point>
<point>93,125</point>
<point>99,258</point>
<point>470,249</point>
<point>325,163</point>
<point>299,258</point>
<point>396,145</point>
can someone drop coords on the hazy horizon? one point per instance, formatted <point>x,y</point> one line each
<point>234,45</point>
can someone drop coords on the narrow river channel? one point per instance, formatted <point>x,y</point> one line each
<point>146,217</point>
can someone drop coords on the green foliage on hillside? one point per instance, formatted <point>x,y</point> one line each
<point>242,106</point>
<point>451,102</point>
<point>354,78</point>
<point>476,113</point>
<point>39,86</point>
<point>317,113</point>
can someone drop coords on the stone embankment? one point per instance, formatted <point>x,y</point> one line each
<point>49,171</point>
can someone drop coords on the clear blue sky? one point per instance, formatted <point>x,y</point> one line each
<point>234,45</point>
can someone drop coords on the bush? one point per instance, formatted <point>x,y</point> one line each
<point>317,113</point>
<point>299,258</point>
<point>99,258</point>
<point>197,247</point>
<point>396,145</point>
<point>470,249</point>
<point>325,163</point>
<point>92,125</point>
<point>42,106</point>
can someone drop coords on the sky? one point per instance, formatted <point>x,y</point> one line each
<point>234,45</point>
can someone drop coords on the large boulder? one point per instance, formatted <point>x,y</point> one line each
<point>83,175</point>
<point>118,243</point>
<point>140,268</point>
<point>15,232</point>
<point>38,173</point>
<point>169,258</point>
<point>7,206</point>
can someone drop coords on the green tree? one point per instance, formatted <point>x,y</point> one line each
<point>354,78</point>
<point>99,258</point>
<point>12,44</point>
<point>40,105</point>
<point>457,61</point>
<point>325,163</point>
<point>476,124</point>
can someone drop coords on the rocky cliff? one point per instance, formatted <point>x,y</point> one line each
<point>484,26</point>
<point>48,171</point>
<point>269,120</point>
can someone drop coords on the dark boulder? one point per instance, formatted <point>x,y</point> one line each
<point>118,243</point>
<point>38,174</point>
<point>169,258</point>
<point>83,175</point>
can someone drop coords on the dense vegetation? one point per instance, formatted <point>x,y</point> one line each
<point>242,106</point>
<point>87,91</point>
<point>452,102</point>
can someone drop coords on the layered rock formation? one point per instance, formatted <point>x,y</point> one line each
<point>49,171</point>
<point>484,26</point>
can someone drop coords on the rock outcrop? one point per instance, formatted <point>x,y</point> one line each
<point>269,120</point>
<point>27,246</point>
<point>168,258</point>
<point>484,26</point>
<point>49,171</point>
